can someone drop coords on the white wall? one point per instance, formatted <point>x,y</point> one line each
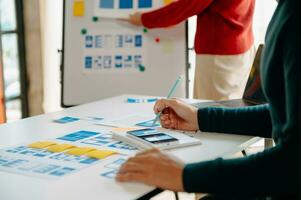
<point>52,18</point>
<point>264,10</point>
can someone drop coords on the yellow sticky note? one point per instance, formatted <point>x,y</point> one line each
<point>167,45</point>
<point>100,154</point>
<point>78,151</point>
<point>41,144</point>
<point>60,147</point>
<point>78,8</point>
<point>166,2</point>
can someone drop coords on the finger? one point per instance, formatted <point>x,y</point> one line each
<point>172,124</point>
<point>149,151</point>
<point>166,110</point>
<point>130,167</point>
<point>131,177</point>
<point>141,158</point>
<point>159,106</point>
<point>166,123</point>
<point>164,117</point>
<point>174,117</point>
<point>138,159</point>
<point>172,103</point>
<point>167,126</point>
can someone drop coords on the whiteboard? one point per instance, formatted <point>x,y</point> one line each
<point>94,68</point>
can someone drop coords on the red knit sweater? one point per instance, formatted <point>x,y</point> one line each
<point>224,27</point>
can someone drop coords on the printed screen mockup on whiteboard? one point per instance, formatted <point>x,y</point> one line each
<point>104,56</point>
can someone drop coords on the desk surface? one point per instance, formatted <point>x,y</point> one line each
<point>85,184</point>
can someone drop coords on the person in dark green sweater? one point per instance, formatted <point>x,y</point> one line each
<point>272,172</point>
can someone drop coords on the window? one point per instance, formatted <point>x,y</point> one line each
<point>13,59</point>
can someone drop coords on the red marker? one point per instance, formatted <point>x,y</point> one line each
<point>157,40</point>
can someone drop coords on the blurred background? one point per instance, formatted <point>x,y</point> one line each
<point>30,37</point>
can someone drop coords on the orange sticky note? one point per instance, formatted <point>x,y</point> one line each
<point>100,154</point>
<point>120,129</point>
<point>41,145</point>
<point>60,147</point>
<point>78,151</point>
<point>166,2</point>
<point>78,8</point>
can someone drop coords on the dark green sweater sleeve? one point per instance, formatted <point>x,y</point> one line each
<point>272,172</point>
<point>253,120</point>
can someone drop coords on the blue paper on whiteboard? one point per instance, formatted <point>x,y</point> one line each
<point>125,4</point>
<point>106,4</point>
<point>145,3</point>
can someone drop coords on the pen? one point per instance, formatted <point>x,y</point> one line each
<point>172,90</point>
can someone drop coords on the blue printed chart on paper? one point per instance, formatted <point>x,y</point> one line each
<point>44,164</point>
<point>122,8</point>
<point>108,51</point>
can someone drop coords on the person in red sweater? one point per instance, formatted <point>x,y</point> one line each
<point>223,42</point>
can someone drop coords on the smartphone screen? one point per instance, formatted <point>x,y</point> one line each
<point>152,136</point>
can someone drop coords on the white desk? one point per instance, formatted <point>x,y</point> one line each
<point>86,184</point>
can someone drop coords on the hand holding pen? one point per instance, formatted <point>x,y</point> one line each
<point>172,90</point>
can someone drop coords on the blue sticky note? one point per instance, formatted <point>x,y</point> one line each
<point>138,40</point>
<point>152,100</point>
<point>121,145</point>
<point>95,118</point>
<point>116,164</point>
<point>15,163</point>
<point>89,41</point>
<point>148,124</point>
<point>119,41</point>
<point>99,140</point>
<point>118,61</point>
<point>78,136</point>
<point>4,160</point>
<point>110,174</point>
<point>98,41</point>
<point>138,60</point>
<point>141,100</point>
<point>88,62</point>
<point>60,156</point>
<point>145,3</point>
<point>89,161</point>
<point>30,151</point>
<point>128,61</point>
<point>43,153</point>
<point>16,149</point>
<point>62,171</point>
<point>133,100</point>
<point>65,120</point>
<point>46,169</point>
<point>125,4</point>
<point>106,4</point>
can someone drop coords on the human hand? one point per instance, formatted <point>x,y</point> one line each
<point>134,19</point>
<point>153,168</point>
<point>177,115</point>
